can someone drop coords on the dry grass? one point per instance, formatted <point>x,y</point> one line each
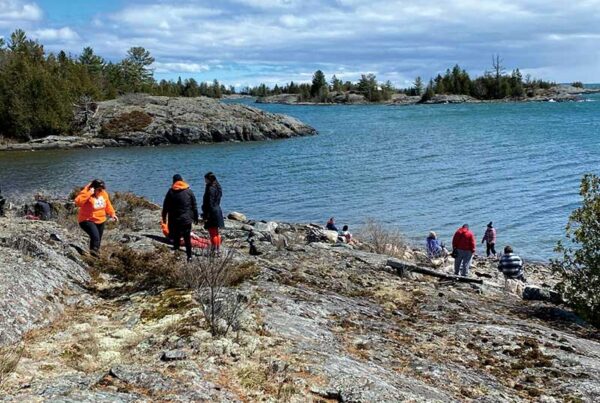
<point>383,240</point>
<point>9,359</point>
<point>143,270</point>
<point>128,202</point>
<point>271,378</point>
<point>133,121</point>
<point>82,353</point>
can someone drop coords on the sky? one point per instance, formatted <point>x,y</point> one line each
<point>247,42</point>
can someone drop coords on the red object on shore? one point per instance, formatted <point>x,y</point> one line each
<point>197,241</point>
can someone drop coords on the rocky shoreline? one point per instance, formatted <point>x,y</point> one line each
<point>324,322</point>
<point>142,120</point>
<point>561,93</point>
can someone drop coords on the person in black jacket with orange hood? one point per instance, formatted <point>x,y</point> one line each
<point>211,210</point>
<point>179,212</point>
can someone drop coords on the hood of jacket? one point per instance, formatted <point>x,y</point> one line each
<point>180,185</point>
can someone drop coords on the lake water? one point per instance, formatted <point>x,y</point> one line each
<point>416,168</point>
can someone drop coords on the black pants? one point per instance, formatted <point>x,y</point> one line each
<point>490,247</point>
<point>2,202</point>
<point>185,231</point>
<point>95,232</point>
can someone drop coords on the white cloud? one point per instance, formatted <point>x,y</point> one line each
<point>64,34</point>
<point>181,67</point>
<point>397,39</point>
<point>15,12</point>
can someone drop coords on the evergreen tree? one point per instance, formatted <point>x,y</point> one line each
<point>579,265</point>
<point>336,84</point>
<point>318,82</point>
<point>92,62</point>
<point>136,68</point>
<point>418,86</point>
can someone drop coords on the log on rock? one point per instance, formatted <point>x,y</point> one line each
<point>403,267</point>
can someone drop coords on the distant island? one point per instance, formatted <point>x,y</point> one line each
<point>455,86</point>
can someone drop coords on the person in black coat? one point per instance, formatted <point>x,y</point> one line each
<point>179,212</point>
<point>2,203</point>
<point>211,210</point>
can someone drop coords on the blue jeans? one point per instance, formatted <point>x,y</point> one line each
<point>462,262</point>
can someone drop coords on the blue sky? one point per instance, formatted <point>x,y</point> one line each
<point>245,42</point>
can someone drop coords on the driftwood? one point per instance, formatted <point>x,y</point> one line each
<point>404,267</point>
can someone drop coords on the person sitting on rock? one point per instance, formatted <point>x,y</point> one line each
<point>511,265</point>
<point>2,203</point>
<point>435,249</point>
<point>41,208</point>
<point>490,240</point>
<point>345,235</point>
<point>331,225</point>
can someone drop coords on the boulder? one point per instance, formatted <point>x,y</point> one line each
<point>268,226</point>
<point>234,215</point>
<point>532,293</point>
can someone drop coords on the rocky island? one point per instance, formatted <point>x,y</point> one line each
<point>144,120</point>
<point>559,93</point>
<point>319,321</point>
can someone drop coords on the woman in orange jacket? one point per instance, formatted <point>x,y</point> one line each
<point>94,207</point>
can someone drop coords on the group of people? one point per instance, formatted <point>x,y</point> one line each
<point>344,235</point>
<point>463,249</point>
<point>179,212</point>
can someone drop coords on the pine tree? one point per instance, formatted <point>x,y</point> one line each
<point>318,82</point>
<point>418,86</point>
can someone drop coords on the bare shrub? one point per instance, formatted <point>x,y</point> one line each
<point>383,240</point>
<point>212,276</point>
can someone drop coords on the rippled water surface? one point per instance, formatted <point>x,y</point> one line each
<point>419,168</point>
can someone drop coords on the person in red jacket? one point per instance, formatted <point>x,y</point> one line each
<point>463,244</point>
<point>94,208</point>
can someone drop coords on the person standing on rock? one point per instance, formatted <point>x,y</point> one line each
<point>211,210</point>
<point>94,207</point>
<point>2,203</point>
<point>179,211</point>
<point>490,240</point>
<point>463,244</point>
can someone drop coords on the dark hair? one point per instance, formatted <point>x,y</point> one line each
<point>345,228</point>
<point>508,249</point>
<point>466,226</point>
<point>211,177</point>
<point>177,178</point>
<point>98,184</point>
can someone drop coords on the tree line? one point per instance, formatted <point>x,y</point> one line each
<point>493,84</point>
<point>38,90</point>
<point>320,90</point>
